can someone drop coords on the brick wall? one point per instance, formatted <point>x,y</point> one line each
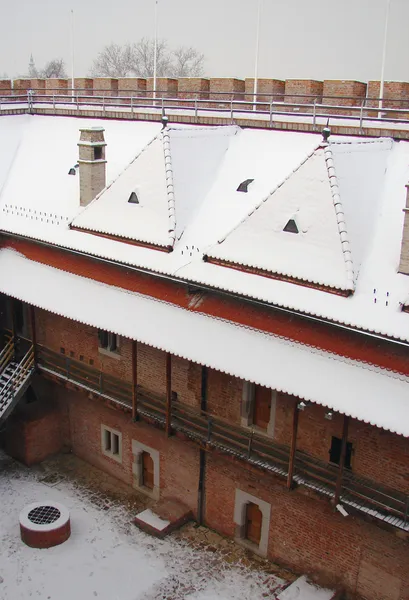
<point>83,86</point>
<point>5,87</point>
<point>307,535</point>
<point>304,90</point>
<point>20,86</point>
<point>193,87</point>
<point>399,90</point>
<point>377,454</point>
<point>265,87</point>
<point>56,86</point>
<point>232,88</point>
<point>224,396</point>
<point>165,86</point>
<point>351,92</point>
<point>179,461</point>
<point>132,86</point>
<point>80,342</point>
<point>105,86</point>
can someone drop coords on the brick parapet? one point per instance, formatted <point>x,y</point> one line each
<point>224,89</point>
<point>5,87</point>
<point>303,91</point>
<point>56,86</point>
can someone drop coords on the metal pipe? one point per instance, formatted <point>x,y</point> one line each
<point>385,42</point>
<point>341,460</point>
<point>255,87</point>
<point>201,487</point>
<point>293,447</point>
<point>134,380</point>
<point>209,288</point>
<point>155,51</point>
<point>168,393</point>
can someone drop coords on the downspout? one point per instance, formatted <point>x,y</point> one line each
<point>202,454</point>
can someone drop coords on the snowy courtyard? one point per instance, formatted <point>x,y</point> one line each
<point>107,557</point>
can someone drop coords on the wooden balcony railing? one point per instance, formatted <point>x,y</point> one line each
<point>357,492</point>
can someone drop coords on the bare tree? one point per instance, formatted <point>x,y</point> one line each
<point>138,60</point>
<point>187,62</point>
<point>114,61</point>
<point>54,68</point>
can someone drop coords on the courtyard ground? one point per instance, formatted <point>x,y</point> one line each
<point>107,557</point>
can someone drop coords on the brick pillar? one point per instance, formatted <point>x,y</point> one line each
<point>165,86</point>
<point>303,91</point>
<point>20,86</point>
<point>191,88</point>
<point>105,86</point>
<point>225,89</point>
<point>38,85</point>
<point>5,87</point>
<point>56,87</point>
<point>83,87</point>
<point>395,95</point>
<point>267,90</point>
<point>132,87</point>
<point>350,93</point>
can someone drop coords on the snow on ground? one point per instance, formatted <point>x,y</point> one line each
<point>106,556</point>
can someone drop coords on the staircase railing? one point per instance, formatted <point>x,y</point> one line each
<point>19,375</point>
<point>6,354</point>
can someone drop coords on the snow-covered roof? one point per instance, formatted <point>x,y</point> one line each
<point>327,379</point>
<point>315,248</point>
<point>350,197</point>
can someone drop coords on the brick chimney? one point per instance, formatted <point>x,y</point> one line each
<point>404,250</point>
<point>92,163</point>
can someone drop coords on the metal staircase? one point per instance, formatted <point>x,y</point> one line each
<point>15,377</point>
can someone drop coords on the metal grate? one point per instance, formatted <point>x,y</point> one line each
<point>44,515</point>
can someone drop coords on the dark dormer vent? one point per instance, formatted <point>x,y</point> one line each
<point>72,171</point>
<point>291,227</point>
<point>243,187</point>
<point>133,198</point>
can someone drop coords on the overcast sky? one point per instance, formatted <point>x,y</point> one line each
<point>321,39</point>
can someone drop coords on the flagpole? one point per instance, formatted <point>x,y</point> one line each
<point>385,40</point>
<point>155,51</point>
<point>255,88</point>
<point>72,55</point>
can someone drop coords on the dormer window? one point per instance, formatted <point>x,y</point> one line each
<point>291,227</point>
<point>72,171</point>
<point>243,187</point>
<point>133,198</point>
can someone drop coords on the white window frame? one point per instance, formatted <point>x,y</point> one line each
<point>247,408</point>
<point>242,499</point>
<point>106,350</point>
<point>137,469</point>
<point>107,449</point>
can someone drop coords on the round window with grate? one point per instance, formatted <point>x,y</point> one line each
<point>44,515</point>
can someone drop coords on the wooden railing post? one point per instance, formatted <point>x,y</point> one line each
<point>33,332</point>
<point>134,380</point>
<point>338,485</point>
<point>293,446</point>
<point>168,426</point>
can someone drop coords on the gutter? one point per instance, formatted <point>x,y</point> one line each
<point>208,288</point>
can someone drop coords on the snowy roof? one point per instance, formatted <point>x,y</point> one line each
<point>361,182</point>
<point>360,389</point>
<point>298,231</point>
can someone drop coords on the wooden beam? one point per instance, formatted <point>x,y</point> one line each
<point>134,380</point>
<point>338,484</point>
<point>168,393</point>
<point>293,447</point>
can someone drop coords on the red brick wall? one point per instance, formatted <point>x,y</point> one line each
<point>105,86</point>
<point>165,86</point>
<point>78,341</point>
<point>179,461</point>
<point>265,87</point>
<point>377,454</point>
<point>5,87</point>
<point>232,88</point>
<point>56,86</point>
<point>308,536</point>
<point>304,90</point>
<point>224,395</point>
<point>132,86</point>
<point>151,369</point>
<point>83,86</point>
<point>20,86</point>
<point>399,90</point>
<point>351,92</point>
<point>38,85</point>
<point>187,381</point>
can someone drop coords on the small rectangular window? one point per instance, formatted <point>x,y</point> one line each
<point>111,443</point>
<point>108,341</point>
<point>335,452</point>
